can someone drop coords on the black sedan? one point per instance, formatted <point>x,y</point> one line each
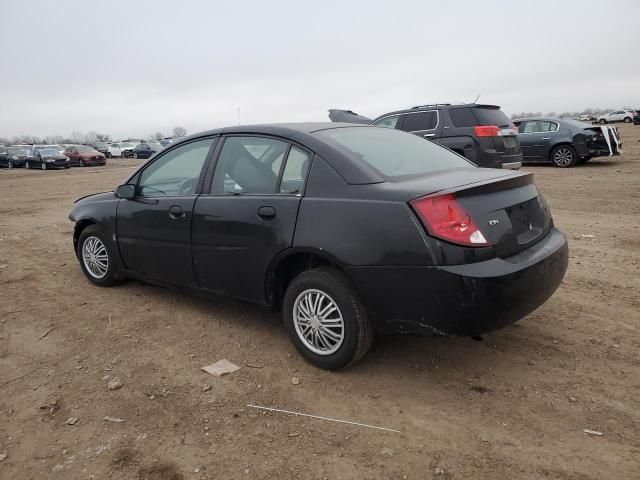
<point>46,158</point>
<point>349,230</point>
<point>142,150</point>
<point>11,157</point>
<point>565,142</point>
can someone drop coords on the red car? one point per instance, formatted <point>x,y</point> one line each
<point>83,156</point>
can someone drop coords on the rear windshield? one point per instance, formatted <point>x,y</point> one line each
<point>393,153</point>
<point>576,123</point>
<point>492,116</point>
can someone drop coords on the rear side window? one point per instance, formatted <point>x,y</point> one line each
<point>414,122</point>
<point>248,165</point>
<point>391,152</point>
<point>295,171</point>
<point>462,117</point>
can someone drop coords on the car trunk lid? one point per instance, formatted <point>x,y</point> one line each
<point>507,209</point>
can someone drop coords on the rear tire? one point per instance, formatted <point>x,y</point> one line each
<point>563,156</point>
<point>602,121</point>
<point>351,342</point>
<point>111,276</point>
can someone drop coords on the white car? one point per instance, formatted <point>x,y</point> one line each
<point>625,116</point>
<point>115,150</point>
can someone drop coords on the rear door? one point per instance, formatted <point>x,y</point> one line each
<point>154,229</point>
<point>249,213</point>
<point>423,123</point>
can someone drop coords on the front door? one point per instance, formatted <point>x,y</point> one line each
<point>154,229</point>
<point>248,215</point>
<point>536,138</point>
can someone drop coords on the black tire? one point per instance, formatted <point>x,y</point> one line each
<point>135,155</point>
<point>627,119</point>
<point>10,165</point>
<point>563,156</point>
<point>108,155</point>
<point>27,165</point>
<point>112,275</point>
<point>81,163</point>
<point>358,328</point>
<point>43,166</point>
<point>602,121</point>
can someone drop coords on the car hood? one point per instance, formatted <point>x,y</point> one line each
<point>94,197</point>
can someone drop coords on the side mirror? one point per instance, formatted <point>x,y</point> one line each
<point>126,191</point>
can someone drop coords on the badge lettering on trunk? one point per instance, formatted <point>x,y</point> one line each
<point>493,222</point>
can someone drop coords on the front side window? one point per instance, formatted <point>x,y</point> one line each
<point>295,171</point>
<point>388,122</point>
<point>177,171</point>
<point>415,122</point>
<point>248,165</point>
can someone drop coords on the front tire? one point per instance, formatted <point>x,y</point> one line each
<point>108,155</point>
<point>602,121</point>
<point>27,165</point>
<point>326,320</point>
<point>627,119</point>
<point>43,166</point>
<point>81,163</point>
<point>135,155</point>
<point>97,258</point>
<point>10,165</point>
<point>563,156</point>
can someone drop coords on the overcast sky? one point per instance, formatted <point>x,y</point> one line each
<point>131,68</point>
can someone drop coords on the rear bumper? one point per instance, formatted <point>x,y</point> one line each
<point>493,159</point>
<point>463,300</point>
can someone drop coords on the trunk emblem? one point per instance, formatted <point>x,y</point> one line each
<point>493,222</point>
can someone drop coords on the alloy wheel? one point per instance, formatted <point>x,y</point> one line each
<point>10,165</point>
<point>318,322</point>
<point>43,166</point>
<point>563,157</point>
<point>95,257</point>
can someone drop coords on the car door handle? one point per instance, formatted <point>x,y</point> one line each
<point>176,213</point>
<point>426,135</point>
<point>267,212</point>
<point>546,138</point>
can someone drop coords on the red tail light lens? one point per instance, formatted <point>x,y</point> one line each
<point>487,131</point>
<point>445,218</point>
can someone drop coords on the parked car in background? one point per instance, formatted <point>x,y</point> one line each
<point>126,149</point>
<point>585,118</point>
<point>114,150</point>
<point>625,116</point>
<point>166,141</point>
<point>11,157</point>
<point>284,216</point>
<point>636,117</point>
<point>564,142</point>
<point>59,148</point>
<point>154,146</point>
<point>142,150</point>
<point>84,156</point>
<point>46,159</point>
<point>101,147</point>
<point>482,134</point>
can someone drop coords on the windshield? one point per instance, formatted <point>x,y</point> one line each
<point>17,151</point>
<point>393,153</point>
<point>49,151</point>
<point>126,145</point>
<point>85,149</point>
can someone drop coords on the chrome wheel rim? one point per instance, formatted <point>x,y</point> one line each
<point>318,322</point>
<point>95,257</point>
<point>563,157</point>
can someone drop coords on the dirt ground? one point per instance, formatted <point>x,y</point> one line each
<point>511,406</point>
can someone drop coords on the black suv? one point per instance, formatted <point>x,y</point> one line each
<point>481,133</point>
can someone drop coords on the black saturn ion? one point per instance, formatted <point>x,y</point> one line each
<point>348,230</point>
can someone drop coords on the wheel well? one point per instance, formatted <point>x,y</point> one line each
<point>561,144</point>
<point>80,226</point>
<point>288,269</point>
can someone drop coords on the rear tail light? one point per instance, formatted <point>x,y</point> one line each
<point>445,218</point>
<point>488,131</point>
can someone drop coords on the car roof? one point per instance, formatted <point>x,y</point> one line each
<point>552,119</point>
<point>435,106</point>
<point>303,134</point>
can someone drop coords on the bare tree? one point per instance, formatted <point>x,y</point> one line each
<point>159,135</point>
<point>179,132</point>
<point>77,136</point>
